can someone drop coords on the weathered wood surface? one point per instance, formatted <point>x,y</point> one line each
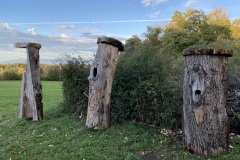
<point>205,124</point>
<point>100,82</point>
<point>31,92</point>
<point>217,52</point>
<point>25,108</point>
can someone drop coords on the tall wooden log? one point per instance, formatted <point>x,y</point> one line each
<point>205,128</point>
<point>31,92</point>
<point>100,82</point>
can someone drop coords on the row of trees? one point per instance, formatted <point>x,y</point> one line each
<point>16,70</point>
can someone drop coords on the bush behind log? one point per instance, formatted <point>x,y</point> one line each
<point>146,88</point>
<point>75,86</point>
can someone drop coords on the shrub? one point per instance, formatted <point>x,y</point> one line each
<point>144,88</point>
<point>233,102</point>
<point>75,85</point>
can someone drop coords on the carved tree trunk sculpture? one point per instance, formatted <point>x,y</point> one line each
<point>100,82</point>
<point>205,128</point>
<point>31,92</point>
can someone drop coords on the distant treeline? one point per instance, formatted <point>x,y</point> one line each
<point>15,71</point>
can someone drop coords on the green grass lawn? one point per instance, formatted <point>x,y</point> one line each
<point>61,136</point>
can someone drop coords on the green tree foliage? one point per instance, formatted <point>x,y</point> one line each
<point>153,36</point>
<point>188,21</point>
<point>219,20</point>
<point>132,43</point>
<point>219,16</point>
<point>193,27</point>
<point>235,27</point>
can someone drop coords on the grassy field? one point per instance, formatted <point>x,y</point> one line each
<point>61,136</point>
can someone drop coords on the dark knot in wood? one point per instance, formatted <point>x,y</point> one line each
<point>39,101</point>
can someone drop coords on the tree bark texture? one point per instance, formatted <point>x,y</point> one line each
<point>100,82</point>
<point>205,128</point>
<point>31,91</point>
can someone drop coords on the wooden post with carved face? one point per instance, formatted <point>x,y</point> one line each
<point>31,93</point>
<point>100,82</point>
<point>205,120</point>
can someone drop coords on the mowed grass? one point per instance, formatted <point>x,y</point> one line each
<point>62,136</point>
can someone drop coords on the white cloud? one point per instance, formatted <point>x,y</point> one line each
<point>32,31</point>
<point>153,15</point>
<point>190,2</point>
<point>66,26</point>
<point>86,42</point>
<point>64,36</point>
<point>5,27</point>
<point>152,2</point>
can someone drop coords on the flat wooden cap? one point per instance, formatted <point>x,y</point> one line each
<point>111,41</point>
<point>26,45</point>
<point>218,52</point>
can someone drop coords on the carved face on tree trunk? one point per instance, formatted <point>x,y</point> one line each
<point>197,86</point>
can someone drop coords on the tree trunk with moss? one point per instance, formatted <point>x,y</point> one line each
<point>31,93</point>
<point>205,122</point>
<point>100,83</point>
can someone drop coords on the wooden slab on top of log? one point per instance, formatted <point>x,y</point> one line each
<point>205,120</point>
<point>31,93</point>
<point>26,45</point>
<point>217,52</point>
<point>100,82</point>
<point>111,41</point>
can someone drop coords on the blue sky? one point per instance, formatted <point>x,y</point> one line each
<point>69,25</point>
